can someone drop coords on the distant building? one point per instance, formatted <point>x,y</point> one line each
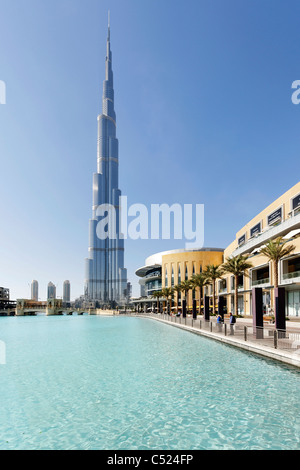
<point>51,294</point>
<point>129,291</point>
<point>67,292</point>
<point>4,294</point>
<point>5,303</point>
<point>34,290</point>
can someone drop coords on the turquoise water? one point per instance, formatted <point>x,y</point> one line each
<point>86,382</point>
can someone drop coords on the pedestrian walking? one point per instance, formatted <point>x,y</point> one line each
<point>232,321</point>
<point>219,322</point>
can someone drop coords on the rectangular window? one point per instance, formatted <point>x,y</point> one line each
<point>242,240</point>
<point>255,230</point>
<point>275,217</point>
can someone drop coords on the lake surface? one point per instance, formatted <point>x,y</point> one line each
<point>87,382</point>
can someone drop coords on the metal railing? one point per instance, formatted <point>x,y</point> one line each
<point>267,336</point>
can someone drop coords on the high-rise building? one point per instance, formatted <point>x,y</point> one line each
<point>66,291</point>
<point>129,291</point>
<point>51,294</point>
<point>35,290</point>
<point>106,277</point>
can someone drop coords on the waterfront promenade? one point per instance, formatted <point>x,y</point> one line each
<point>280,345</point>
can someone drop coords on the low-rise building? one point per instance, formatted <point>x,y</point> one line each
<point>7,306</point>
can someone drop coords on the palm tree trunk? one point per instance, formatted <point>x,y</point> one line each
<point>275,269</point>
<point>236,295</point>
<point>200,299</point>
<point>214,297</point>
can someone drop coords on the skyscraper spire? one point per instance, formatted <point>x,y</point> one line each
<point>106,277</point>
<point>108,37</point>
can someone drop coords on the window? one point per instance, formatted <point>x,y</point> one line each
<point>261,276</point>
<point>240,282</point>
<point>179,275</point>
<point>223,286</point>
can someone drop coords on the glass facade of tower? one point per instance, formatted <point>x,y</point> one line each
<point>51,291</point>
<point>106,277</point>
<point>34,290</point>
<point>66,291</point>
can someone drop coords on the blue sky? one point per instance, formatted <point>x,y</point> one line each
<point>204,115</point>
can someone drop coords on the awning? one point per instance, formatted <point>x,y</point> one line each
<point>291,234</point>
<point>257,250</point>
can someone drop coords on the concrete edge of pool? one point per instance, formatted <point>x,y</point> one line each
<point>289,358</point>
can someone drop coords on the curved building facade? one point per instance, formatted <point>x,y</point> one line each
<point>106,277</point>
<point>181,265</point>
<point>170,268</point>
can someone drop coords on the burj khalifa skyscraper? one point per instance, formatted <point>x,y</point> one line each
<point>106,277</point>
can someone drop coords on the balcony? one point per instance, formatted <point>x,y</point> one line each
<point>291,275</point>
<point>292,223</point>
<point>259,282</point>
<point>153,275</point>
<point>290,269</point>
<point>260,276</point>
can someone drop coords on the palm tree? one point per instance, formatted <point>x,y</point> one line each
<point>177,289</point>
<point>212,273</point>
<point>167,292</point>
<point>199,280</point>
<point>157,295</point>
<point>237,265</point>
<point>275,250</point>
<point>185,286</point>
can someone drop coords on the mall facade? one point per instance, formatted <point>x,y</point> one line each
<point>170,268</point>
<point>279,219</point>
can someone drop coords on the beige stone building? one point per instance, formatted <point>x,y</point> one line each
<point>281,218</point>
